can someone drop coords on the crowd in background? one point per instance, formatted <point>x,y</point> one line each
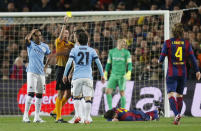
<point>144,35</point>
<point>98,5</point>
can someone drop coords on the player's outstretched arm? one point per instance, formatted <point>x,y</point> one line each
<point>68,65</point>
<point>108,66</point>
<point>100,68</point>
<point>129,62</point>
<point>194,61</point>
<point>48,61</point>
<point>71,73</point>
<point>198,75</point>
<point>163,53</point>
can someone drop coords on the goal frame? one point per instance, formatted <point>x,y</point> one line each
<point>166,14</point>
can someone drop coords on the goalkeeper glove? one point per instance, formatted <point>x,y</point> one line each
<point>127,76</point>
<point>105,75</point>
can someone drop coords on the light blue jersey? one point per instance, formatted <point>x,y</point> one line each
<point>82,56</point>
<point>36,54</point>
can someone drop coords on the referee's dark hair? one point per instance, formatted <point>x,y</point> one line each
<point>82,36</point>
<point>178,30</point>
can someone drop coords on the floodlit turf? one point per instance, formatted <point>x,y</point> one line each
<point>99,124</point>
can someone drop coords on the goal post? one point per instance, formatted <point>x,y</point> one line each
<point>146,85</point>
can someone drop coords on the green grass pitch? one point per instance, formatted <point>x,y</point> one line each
<point>14,123</point>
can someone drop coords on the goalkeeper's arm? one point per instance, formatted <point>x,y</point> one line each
<point>108,66</point>
<point>129,62</point>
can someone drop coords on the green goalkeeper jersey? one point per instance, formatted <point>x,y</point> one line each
<point>119,60</point>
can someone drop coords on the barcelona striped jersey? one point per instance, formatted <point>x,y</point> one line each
<point>134,115</point>
<point>177,51</point>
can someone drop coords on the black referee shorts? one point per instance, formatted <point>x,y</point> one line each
<point>59,82</point>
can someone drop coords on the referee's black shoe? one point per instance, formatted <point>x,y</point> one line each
<point>60,121</point>
<point>54,115</point>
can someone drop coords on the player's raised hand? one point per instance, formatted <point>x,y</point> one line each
<point>128,75</point>
<point>66,19</point>
<point>198,75</point>
<point>33,31</point>
<point>115,120</point>
<point>65,79</point>
<point>103,79</point>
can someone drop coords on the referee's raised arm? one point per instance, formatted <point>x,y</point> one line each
<point>66,18</point>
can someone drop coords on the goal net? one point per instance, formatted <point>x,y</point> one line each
<point>145,32</point>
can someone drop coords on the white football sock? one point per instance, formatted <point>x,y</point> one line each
<point>38,102</point>
<point>81,109</point>
<point>27,105</point>
<point>87,110</point>
<point>76,107</point>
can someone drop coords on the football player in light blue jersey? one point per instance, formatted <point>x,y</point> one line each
<point>82,80</point>
<point>35,73</point>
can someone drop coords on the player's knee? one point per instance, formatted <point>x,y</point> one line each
<point>67,94</point>
<point>76,98</point>
<point>108,91</point>
<point>170,94</point>
<point>39,96</point>
<point>60,94</point>
<point>179,95</point>
<point>88,98</point>
<point>31,94</point>
<point>122,93</point>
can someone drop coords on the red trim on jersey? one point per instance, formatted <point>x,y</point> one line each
<point>170,67</point>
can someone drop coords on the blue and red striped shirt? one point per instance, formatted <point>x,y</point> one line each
<point>134,115</point>
<point>177,51</point>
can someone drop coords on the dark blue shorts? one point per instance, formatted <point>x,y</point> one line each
<point>175,84</point>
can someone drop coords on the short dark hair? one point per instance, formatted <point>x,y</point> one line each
<point>109,114</point>
<point>82,36</point>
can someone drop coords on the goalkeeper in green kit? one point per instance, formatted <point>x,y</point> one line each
<point>118,61</point>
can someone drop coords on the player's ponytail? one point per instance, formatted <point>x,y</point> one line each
<point>178,30</point>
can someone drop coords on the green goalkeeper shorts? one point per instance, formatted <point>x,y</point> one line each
<point>115,81</point>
